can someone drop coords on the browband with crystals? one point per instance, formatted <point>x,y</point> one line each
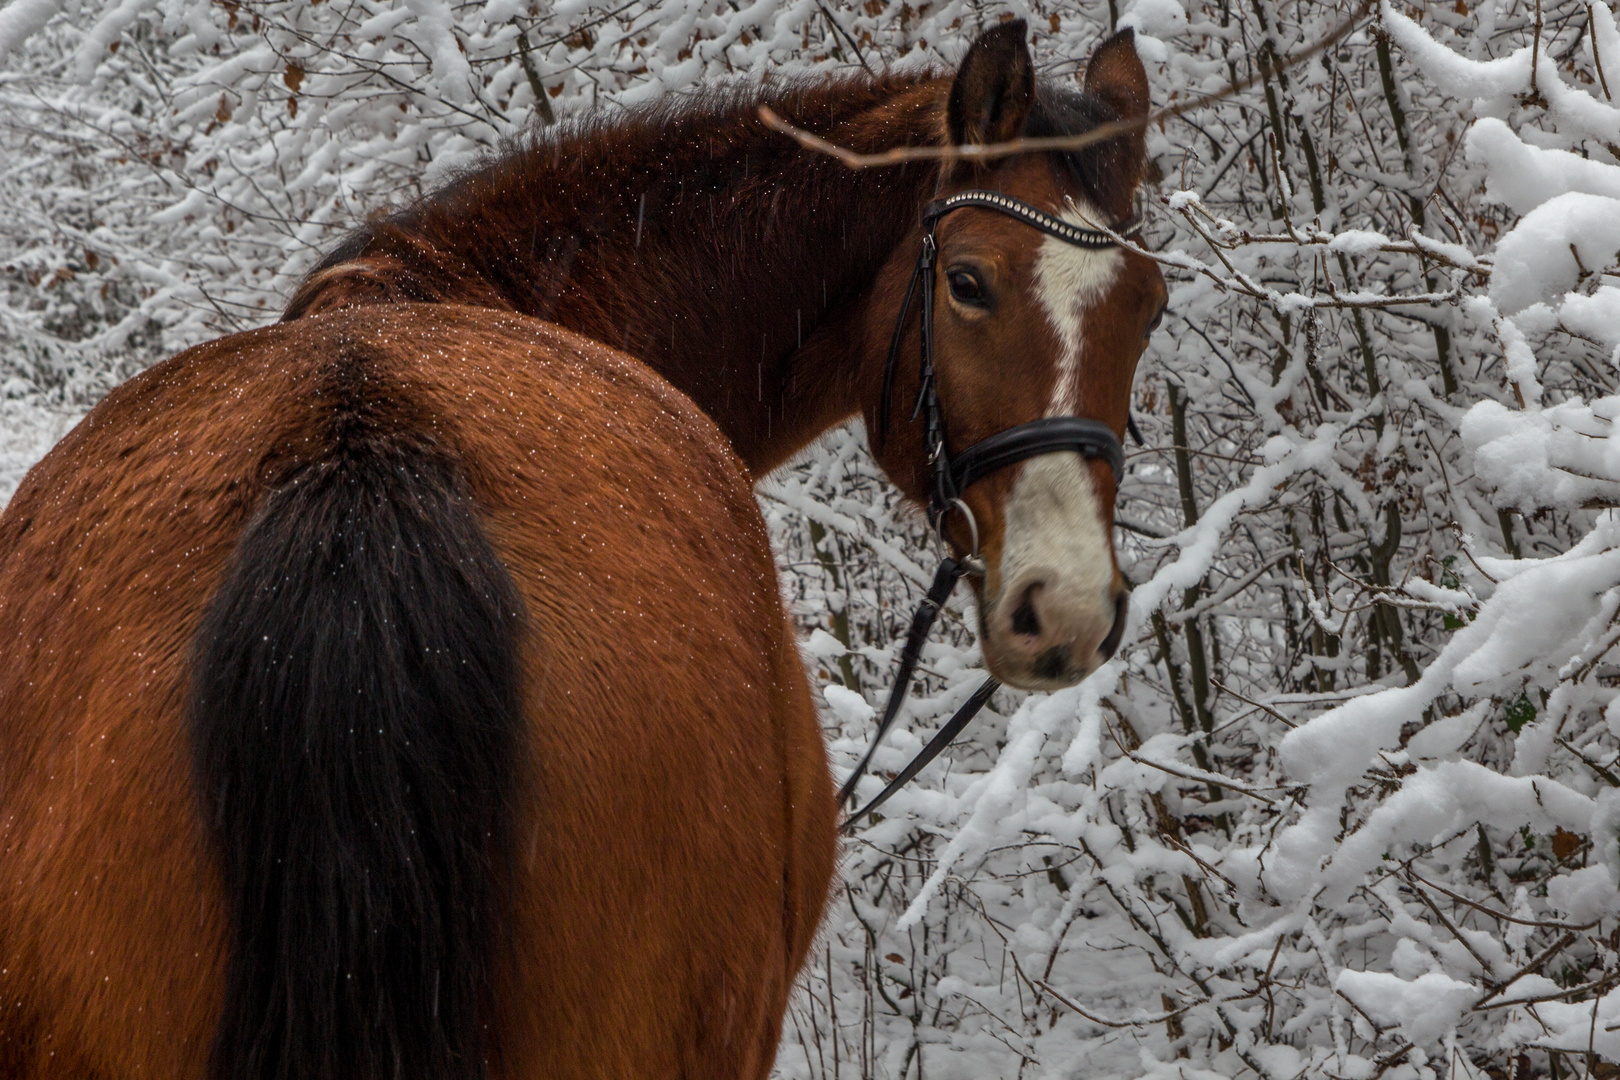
<point>1034,217</point>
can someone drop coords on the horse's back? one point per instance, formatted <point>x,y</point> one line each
<point>671,841</point>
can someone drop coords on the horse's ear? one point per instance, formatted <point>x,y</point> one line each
<point>1116,75</point>
<point>994,88</point>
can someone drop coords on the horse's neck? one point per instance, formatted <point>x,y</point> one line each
<point>734,263</point>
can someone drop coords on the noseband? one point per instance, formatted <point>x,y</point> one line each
<point>1091,439</point>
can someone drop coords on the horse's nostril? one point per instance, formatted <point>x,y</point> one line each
<point>1111,643</point>
<point>1053,663</point>
<point>1024,619</point>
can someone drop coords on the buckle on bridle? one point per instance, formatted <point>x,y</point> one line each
<point>972,563</point>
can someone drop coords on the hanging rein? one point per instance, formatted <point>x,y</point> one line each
<point>952,475</point>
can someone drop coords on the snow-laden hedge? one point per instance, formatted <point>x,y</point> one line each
<point>1348,801</point>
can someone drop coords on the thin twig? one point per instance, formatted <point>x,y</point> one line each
<point>838,29</point>
<point>1608,777</point>
<point>1102,133</point>
<point>1529,969</point>
<point>1574,991</point>
<point>1273,713</point>
<point>1544,925</point>
<point>1095,1019</point>
<point>1202,777</point>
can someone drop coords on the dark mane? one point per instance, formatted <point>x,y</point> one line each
<point>1105,171</point>
<point>691,236</point>
<point>694,138</point>
<point>710,142</point>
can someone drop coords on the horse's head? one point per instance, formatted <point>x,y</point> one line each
<point>1026,326</point>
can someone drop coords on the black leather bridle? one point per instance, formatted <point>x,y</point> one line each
<point>1090,438</point>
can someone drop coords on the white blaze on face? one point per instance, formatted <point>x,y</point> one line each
<point>1068,280</point>
<point>1055,536</point>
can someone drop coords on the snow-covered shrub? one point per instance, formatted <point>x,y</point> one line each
<point>1347,803</point>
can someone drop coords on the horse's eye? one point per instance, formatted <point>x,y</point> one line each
<point>1154,325</point>
<point>966,287</point>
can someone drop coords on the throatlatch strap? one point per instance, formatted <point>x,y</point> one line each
<point>950,572</point>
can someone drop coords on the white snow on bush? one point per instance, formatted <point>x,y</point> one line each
<point>1524,175</point>
<point>1552,248</point>
<point>1347,803</point>
<point>1423,1009</point>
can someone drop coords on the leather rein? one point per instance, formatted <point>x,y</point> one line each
<point>1090,438</point>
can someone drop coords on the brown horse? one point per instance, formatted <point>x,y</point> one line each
<point>404,689</point>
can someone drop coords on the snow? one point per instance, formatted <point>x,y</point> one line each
<point>1596,316</point>
<point>847,706</point>
<point>1524,176</point>
<point>21,19</point>
<point>433,32</point>
<point>1585,895</point>
<point>1553,247</point>
<point>1153,21</point>
<point>1578,1028</point>
<point>1603,40</point>
<point>1358,242</point>
<point>27,431</point>
<point>1423,1009</point>
<point>1564,455</point>
<point>1314,839</point>
<point>1483,83</point>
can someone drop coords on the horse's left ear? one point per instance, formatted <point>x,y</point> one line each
<point>1116,75</point>
<point>994,88</point>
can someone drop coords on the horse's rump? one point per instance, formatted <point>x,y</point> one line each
<point>666,809</point>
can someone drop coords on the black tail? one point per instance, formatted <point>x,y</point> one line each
<point>355,719</point>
